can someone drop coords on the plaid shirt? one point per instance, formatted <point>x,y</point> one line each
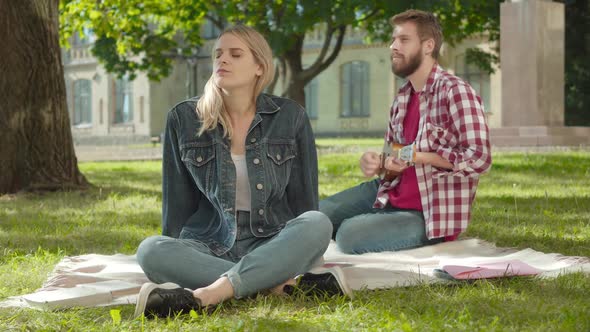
<point>452,124</point>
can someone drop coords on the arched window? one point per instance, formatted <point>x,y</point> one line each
<point>82,106</point>
<point>311,99</point>
<point>477,78</point>
<point>209,30</point>
<point>354,89</point>
<point>123,101</point>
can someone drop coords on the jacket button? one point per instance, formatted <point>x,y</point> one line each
<point>259,186</point>
<point>260,230</point>
<point>261,211</point>
<point>278,157</point>
<point>199,159</point>
<point>256,161</point>
<point>253,140</point>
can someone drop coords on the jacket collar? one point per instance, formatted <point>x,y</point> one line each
<point>265,104</point>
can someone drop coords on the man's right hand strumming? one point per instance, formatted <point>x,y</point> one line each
<point>370,163</point>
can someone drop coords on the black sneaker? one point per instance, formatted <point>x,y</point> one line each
<point>163,300</point>
<point>324,284</point>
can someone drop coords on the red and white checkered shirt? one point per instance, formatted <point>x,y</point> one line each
<point>452,124</point>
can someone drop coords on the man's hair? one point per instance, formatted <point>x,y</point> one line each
<point>427,25</point>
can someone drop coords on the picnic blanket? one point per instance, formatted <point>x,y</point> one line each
<point>100,280</point>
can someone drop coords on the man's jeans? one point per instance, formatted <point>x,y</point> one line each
<point>253,263</point>
<point>360,228</point>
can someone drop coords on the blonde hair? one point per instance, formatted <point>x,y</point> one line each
<point>210,107</point>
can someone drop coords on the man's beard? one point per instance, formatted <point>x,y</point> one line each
<point>405,70</point>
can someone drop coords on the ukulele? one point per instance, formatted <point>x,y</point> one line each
<point>392,149</point>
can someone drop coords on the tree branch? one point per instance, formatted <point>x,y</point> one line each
<point>279,14</point>
<point>311,72</point>
<point>273,83</point>
<point>327,41</point>
<point>217,21</point>
<point>368,16</point>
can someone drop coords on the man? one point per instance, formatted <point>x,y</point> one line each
<point>437,121</point>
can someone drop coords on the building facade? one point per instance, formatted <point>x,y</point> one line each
<point>105,109</point>
<point>356,90</point>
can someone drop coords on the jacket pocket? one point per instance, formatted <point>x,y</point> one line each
<point>200,163</point>
<point>280,160</point>
<point>439,136</point>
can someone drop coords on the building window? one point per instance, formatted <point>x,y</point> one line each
<point>477,78</point>
<point>210,30</point>
<point>123,101</point>
<point>84,37</point>
<point>354,89</point>
<point>82,102</point>
<point>311,99</point>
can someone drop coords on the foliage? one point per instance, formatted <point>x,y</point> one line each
<point>482,59</point>
<point>143,35</point>
<point>135,35</point>
<point>529,200</point>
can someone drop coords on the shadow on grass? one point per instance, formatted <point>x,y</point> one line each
<point>126,182</point>
<point>121,209</point>
<point>103,234</point>
<point>93,221</point>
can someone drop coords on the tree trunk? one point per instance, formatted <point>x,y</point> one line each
<point>36,148</point>
<point>295,78</point>
<point>295,89</point>
<point>292,72</point>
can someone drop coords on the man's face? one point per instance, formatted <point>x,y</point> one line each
<point>406,49</point>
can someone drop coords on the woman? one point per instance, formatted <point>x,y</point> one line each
<point>239,187</point>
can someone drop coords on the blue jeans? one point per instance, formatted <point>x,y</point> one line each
<point>253,263</point>
<point>360,228</point>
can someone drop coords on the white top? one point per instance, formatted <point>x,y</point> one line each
<point>243,196</point>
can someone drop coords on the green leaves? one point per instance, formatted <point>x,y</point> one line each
<point>142,35</point>
<point>134,35</point>
<point>95,14</point>
<point>482,59</point>
<point>115,316</point>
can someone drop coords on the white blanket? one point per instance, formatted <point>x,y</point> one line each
<point>97,280</point>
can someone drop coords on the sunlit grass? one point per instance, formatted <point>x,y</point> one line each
<point>534,200</point>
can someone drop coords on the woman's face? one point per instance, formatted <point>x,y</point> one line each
<point>234,67</point>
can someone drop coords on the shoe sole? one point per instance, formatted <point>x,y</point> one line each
<point>145,291</point>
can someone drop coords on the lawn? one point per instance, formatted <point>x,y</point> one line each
<point>528,200</point>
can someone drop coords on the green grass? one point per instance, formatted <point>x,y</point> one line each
<point>538,201</point>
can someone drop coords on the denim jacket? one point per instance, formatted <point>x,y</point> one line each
<point>199,175</point>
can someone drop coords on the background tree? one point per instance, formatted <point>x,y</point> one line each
<point>144,35</point>
<point>36,150</point>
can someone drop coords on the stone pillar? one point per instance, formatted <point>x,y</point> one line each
<point>532,55</point>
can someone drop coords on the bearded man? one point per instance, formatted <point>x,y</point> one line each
<point>438,144</point>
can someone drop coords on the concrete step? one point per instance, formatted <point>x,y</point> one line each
<point>540,136</point>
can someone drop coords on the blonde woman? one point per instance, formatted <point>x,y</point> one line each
<point>239,189</point>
